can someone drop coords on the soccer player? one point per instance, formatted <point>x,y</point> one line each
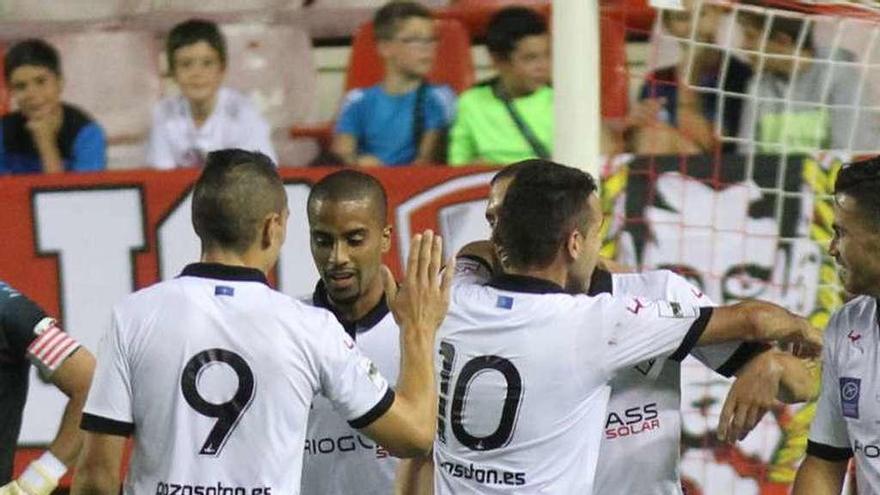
<point>349,234</point>
<point>645,398</point>
<point>28,336</point>
<point>845,425</point>
<point>522,375</point>
<point>214,372</point>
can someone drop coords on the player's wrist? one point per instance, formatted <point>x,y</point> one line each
<point>42,475</point>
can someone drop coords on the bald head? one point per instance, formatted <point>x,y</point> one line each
<point>350,185</point>
<point>237,190</point>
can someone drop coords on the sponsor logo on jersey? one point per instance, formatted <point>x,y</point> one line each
<point>165,488</point>
<point>632,421</point>
<point>675,310</point>
<point>486,476</point>
<point>850,390</point>
<point>853,336</point>
<point>868,450</point>
<point>636,307</point>
<point>342,445</point>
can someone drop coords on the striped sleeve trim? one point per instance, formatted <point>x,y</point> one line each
<point>827,452</point>
<point>53,345</point>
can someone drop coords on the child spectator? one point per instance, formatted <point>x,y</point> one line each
<point>672,116</point>
<point>401,120</point>
<point>45,134</point>
<point>804,97</point>
<point>205,116</point>
<point>510,117</point>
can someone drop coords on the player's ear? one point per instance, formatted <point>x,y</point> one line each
<point>386,238</point>
<point>574,244</point>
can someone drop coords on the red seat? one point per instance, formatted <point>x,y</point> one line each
<point>453,66</point>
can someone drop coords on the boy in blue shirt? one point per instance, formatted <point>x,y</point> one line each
<point>399,121</point>
<point>45,134</point>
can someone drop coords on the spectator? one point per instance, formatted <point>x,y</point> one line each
<point>672,115</point>
<point>402,119</point>
<point>205,116</point>
<point>803,96</point>
<point>510,117</point>
<point>45,134</point>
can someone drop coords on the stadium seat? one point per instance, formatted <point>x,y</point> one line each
<point>453,66</point>
<point>275,66</point>
<point>114,76</point>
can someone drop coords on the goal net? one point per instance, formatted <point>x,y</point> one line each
<point>740,116</point>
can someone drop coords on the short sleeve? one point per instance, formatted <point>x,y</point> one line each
<point>350,380</point>
<point>726,358</point>
<point>108,408</point>
<point>828,438</point>
<point>19,317</point>
<point>89,149</point>
<point>636,329</point>
<point>349,121</point>
<point>159,150</point>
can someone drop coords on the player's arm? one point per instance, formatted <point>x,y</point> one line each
<point>345,147</point>
<point>768,377</point>
<point>419,306</point>
<point>760,321</point>
<point>415,476</point>
<point>428,147</point>
<point>99,465</point>
<point>817,476</point>
<point>73,378</point>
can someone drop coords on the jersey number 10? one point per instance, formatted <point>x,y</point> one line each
<point>227,413</point>
<point>503,433</point>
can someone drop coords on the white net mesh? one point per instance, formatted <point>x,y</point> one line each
<point>741,118</point>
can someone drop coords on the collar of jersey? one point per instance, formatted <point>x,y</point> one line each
<point>600,283</point>
<point>352,328</point>
<point>224,272</point>
<point>524,283</point>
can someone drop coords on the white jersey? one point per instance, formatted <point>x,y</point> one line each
<point>338,459</point>
<point>175,141</point>
<point>215,373</point>
<point>523,374</point>
<point>644,413</point>
<point>848,412</point>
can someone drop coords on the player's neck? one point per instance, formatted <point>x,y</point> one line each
<point>398,83</point>
<point>248,260</point>
<point>363,305</point>
<point>553,273</point>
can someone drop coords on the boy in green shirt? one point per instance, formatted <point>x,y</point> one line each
<point>508,118</point>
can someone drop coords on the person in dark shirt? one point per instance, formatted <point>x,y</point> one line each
<point>45,134</point>
<point>30,337</point>
<point>680,109</point>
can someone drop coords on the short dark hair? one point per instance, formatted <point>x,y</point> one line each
<point>508,26</point>
<point>779,24</point>
<point>234,193</point>
<point>31,52</point>
<point>508,172</point>
<point>350,185</point>
<point>388,18</point>
<point>544,203</point>
<point>861,181</point>
<point>191,32</point>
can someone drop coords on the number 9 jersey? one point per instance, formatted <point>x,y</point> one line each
<point>214,374</point>
<point>523,371</point>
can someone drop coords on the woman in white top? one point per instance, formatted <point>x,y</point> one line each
<point>205,116</point>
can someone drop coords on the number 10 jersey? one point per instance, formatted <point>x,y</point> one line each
<point>523,372</point>
<point>214,374</point>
